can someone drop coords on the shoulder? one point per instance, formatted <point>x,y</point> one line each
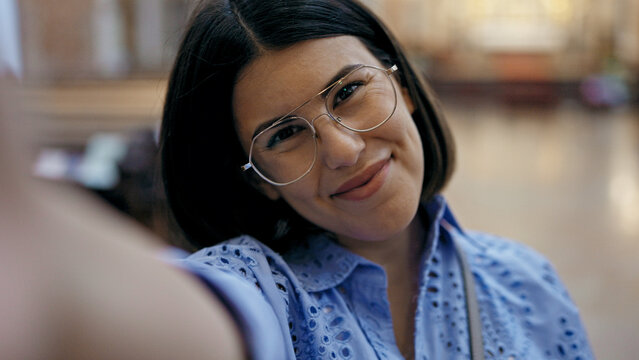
<point>246,260</point>
<point>241,272</point>
<point>520,289</point>
<point>243,256</point>
<point>514,265</point>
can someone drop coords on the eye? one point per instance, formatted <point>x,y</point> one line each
<point>344,92</point>
<point>284,133</point>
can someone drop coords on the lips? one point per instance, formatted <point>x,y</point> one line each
<point>365,184</point>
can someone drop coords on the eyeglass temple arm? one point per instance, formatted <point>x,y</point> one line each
<point>246,166</point>
<point>391,69</point>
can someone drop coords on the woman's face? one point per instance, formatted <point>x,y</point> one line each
<point>363,186</point>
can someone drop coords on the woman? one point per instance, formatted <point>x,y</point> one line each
<point>300,130</point>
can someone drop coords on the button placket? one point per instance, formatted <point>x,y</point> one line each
<point>371,305</point>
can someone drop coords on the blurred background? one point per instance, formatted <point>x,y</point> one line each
<point>542,97</point>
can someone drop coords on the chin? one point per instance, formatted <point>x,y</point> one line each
<point>383,229</point>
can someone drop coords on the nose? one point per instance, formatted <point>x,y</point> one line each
<point>337,146</point>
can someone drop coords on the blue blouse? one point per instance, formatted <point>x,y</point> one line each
<point>323,302</point>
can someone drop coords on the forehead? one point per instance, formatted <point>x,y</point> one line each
<point>278,81</point>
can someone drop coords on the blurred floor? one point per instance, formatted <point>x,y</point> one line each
<point>563,179</point>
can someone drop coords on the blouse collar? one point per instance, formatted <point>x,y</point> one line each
<point>322,263</point>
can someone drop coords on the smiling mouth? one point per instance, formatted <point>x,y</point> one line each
<point>365,184</point>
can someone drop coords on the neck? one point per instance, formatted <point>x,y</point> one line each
<point>401,251</point>
<point>399,256</point>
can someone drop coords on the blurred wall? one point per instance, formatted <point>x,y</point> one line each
<point>56,40</point>
<point>100,38</point>
<point>470,39</point>
<point>455,39</point>
<point>459,38</point>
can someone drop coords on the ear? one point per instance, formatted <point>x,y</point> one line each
<point>408,100</point>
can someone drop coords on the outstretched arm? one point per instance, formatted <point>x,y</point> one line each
<point>80,282</point>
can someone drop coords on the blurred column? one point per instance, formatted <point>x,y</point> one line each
<point>109,42</point>
<point>375,5</point>
<point>10,50</point>
<point>56,39</point>
<point>149,33</point>
<point>627,34</point>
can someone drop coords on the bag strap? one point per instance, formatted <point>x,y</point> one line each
<point>472,305</point>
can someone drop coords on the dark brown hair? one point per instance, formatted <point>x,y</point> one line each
<point>200,152</point>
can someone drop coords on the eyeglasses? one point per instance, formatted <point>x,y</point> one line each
<point>361,101</point>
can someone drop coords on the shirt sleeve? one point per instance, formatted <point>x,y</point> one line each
<point>253,314</point>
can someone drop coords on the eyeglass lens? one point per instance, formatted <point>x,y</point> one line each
<point>360,102</point>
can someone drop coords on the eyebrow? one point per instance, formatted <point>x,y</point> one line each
<point>338,76</point>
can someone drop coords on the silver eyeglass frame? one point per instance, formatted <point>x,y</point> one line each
<point>250,165</point>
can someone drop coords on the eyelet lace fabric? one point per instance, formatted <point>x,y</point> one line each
<point>329,303</point>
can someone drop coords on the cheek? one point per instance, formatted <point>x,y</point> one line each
<point>304,198</point>
<point>402,129</point>
<point>409,144</point>
<point>311,208</point>
<point>416,149</point>
<point>301,194</point>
